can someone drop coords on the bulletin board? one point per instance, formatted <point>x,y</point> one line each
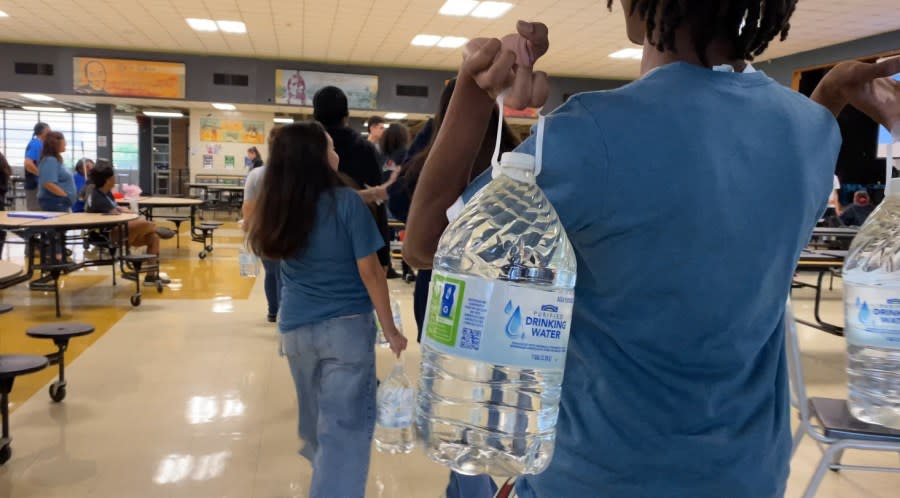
<point>219,141</point>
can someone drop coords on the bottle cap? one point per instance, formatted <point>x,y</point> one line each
<point>517,166</point>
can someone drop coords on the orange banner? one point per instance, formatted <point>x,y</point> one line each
<point>128,78</point>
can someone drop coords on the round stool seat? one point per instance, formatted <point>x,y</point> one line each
<point>133,258</point>
<point>5,308</point>
<point>60,330</point>
<point>211,224</point>
<point>14,365</point>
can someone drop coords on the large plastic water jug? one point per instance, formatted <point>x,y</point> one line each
<point>496,330</point>
<point>872,314</point>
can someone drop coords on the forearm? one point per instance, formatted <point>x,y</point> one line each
<point>31,167</point>
<point>371,195</point>
<point>247,212</point>
<point>55,189</point>
<point>372,275</point>
<point>447,170</point>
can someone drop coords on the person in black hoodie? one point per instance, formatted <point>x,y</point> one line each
<point>359,159</point>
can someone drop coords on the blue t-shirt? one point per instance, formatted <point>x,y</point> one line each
<point>51,170</point>
<point>33,151</point>
<point>323,281</point>
<point>688,196</point>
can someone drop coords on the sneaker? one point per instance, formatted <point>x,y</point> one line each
<point>272,318</point>
<point>165,233</point>
<point>392,274</point>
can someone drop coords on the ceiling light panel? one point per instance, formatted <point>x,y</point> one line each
<point>234,27</point>
<point>204,25</point>
<point>458,7</point>
<point>452,42</point>
<point>491,10</point>
<point>224,107</point>
<point>426,40</point>
<point>628,53</point>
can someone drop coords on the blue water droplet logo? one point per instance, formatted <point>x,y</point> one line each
<point>864,313</point>
<point>514,325</point>
<point>509,307</point>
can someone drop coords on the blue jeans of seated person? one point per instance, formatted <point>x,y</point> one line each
<point>333,365</point>
<point>272,284</point>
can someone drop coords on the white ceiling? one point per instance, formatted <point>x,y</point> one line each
<point>582,32</point>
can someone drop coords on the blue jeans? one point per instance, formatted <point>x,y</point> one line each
<point>272,284</point>
<point>333,365</point>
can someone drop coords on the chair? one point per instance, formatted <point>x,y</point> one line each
<point>12,366</point>
<point>829,422</point>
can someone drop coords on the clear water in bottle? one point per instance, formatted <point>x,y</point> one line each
<point>496,330</point>
<point>394,428</point>
<point>872,315</point>
<point>248,262</point>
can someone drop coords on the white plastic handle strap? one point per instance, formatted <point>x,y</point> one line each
<point>539,139</point>
<point>889,158</point>
<point>495,162</point>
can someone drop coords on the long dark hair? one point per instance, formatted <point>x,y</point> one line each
<point>413,168</point>
<point>297,174</point>
<point>52,145</point>
<point>257,159</point>
<point>5,172</point>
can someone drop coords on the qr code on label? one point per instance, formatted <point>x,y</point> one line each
<point>471,339</point>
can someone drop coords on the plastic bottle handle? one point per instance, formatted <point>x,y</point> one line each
<point>539,139</point>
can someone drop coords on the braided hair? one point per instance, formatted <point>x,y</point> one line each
<point>747,25</point>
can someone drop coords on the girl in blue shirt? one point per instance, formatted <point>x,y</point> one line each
<point>326,241</point>
<point>676,381</point>
<point>56,187</point>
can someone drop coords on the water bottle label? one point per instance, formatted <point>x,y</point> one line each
<point>498,322</point>
<point>872,317</point>
<point>395,408</point>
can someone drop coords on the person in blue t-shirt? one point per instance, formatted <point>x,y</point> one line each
<point>82,170</point>
<point>56,187</point>
<point>326,240</point>
<point>675,383</point>
<point>32,157</point>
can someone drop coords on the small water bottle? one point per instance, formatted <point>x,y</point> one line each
<point>248,262</point>
<point>398,321</point>
<point>394,429</point>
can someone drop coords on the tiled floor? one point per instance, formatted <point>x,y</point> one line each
<point>187,396</point>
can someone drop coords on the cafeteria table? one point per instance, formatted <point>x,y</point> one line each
<point>35,227</point>
<point>822,262</point>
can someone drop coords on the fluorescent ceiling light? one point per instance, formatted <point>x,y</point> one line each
<point>225,107</point>
<point>628,53</point>
<point>202,24</point>
<point>395,115</point>
<point>37,97</point>
<point>426,40</point>
<point>3,14</point>
<point>491,10</point>
<point>163,114</point>
<point>35,108</point>
<point>458,7</point>
<point>452,42</point>
<point>284,120</point>
<point>236,27</point>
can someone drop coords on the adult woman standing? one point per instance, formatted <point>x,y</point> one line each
<point>5,175</point>
<point>56,190</point>
<point>326,241</point>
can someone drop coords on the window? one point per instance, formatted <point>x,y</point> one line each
<point>80,130</point>
<point>125,143</point>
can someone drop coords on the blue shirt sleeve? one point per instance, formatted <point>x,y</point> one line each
<point>364,234</point>
<point>33,150</point>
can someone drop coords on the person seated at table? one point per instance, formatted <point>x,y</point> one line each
<point>141,232</point>
<point>859,211</point>
<point>82,169</point>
